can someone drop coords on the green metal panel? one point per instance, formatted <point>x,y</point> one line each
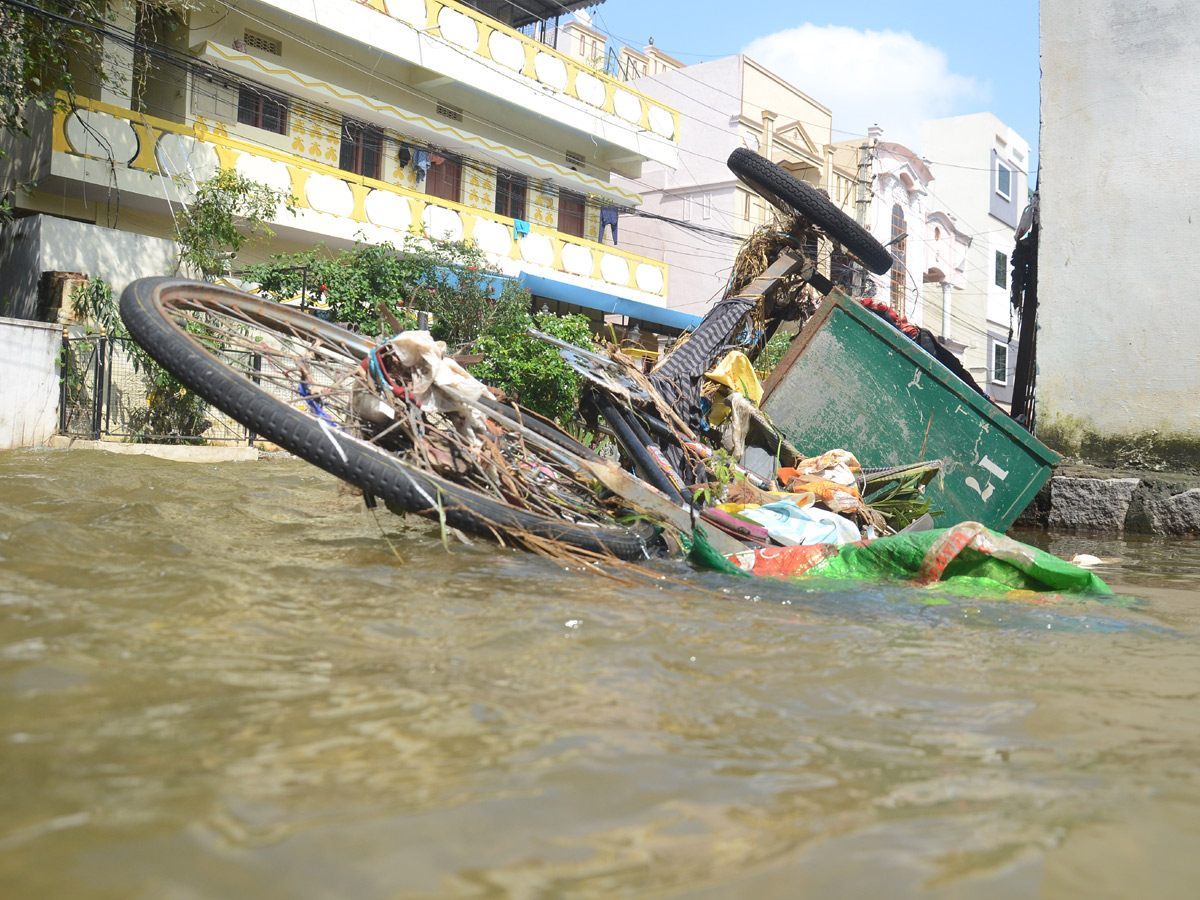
<point>852,381</point>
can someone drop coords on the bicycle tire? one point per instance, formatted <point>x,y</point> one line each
<point>790,194</point>
<point>145,309</point>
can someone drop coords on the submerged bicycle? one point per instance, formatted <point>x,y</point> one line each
<point>410,427</point>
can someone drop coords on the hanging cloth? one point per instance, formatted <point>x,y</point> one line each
<point>520,228</point>
<point>421,163</point>
<point>608,217</point>
<point>404,157</point>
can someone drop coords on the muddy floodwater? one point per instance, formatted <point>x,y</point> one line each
<point>218,681</point>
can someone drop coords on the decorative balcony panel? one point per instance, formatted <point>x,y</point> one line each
<point>331,202</point>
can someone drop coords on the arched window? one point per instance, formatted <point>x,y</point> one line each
<point>899,272</point>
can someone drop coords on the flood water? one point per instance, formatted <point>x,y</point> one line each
<point>218,681</point>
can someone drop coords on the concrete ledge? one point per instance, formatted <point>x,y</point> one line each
<point>177,452</point>
<point>1085,498</point>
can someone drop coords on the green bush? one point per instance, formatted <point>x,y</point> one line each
<point>227,211</point>
<point>458,287</point>
<point>530,370</point>
<point>451,281</point>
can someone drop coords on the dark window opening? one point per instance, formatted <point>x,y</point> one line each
<point>445,179</point>
<point>899,249</point>
<point>571,213</point>
<point>1001,269</point>
<point>362,149</point>
<point>510,195</point>
<point>1003,180</point>
<point>262,110</point>
<point>841,270</point>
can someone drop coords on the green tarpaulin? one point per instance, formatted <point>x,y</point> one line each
<point>967,556</point>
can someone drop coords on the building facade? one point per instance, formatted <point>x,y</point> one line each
<point>982,169</point>
<point>724,104</point>
<point>929,251</point>
<point>381,120</point>
<point>1117,350</point>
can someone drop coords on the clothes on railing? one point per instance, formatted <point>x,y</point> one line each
<point>608,217</point>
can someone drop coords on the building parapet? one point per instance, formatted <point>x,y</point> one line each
<point>330,201</point>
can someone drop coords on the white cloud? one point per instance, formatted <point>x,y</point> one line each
<point>887,78</point>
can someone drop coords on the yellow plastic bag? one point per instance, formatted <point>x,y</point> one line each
<point>735,371</point>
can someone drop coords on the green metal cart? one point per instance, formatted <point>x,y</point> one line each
<point>851,381</point>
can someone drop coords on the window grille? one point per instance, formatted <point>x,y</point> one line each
<point>265,44</point>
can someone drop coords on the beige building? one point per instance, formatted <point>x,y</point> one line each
<point>724,104</point>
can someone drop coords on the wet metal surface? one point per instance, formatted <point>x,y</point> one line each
<point>217,681</point>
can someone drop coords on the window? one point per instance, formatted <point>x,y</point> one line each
<point>362,148</point>
<point>570,213</point>
<point>1001,269</point>
<point>444,179</point>
<point>1000,363</point>
<point>262,110</point>
<point>899,244</point>
<point>510,195</point>
<point>1004,180</point>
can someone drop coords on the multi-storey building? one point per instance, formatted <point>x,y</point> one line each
<point>724,104</point>
<point>649,61</point>
<point>581,40</point>
<point>929,249</point>
<point>982,169</point>
<point>381,119</point>
<point>578,37</point>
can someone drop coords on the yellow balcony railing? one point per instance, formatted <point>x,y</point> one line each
<point>334,202</point>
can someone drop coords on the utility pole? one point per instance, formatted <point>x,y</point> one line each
<point>862,202</point>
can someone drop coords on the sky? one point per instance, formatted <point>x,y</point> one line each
<point>894,64</point>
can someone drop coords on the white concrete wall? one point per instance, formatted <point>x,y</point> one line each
<point>1119,323</point>
<point>28,382</point>
<point>39,244</point>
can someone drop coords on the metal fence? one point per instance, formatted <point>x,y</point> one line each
<point>107,390</point>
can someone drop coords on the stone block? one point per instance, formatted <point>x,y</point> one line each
<point>1090,504</point>
<point>1176,515</point>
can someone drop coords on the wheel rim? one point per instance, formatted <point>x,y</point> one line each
<point>324,372</point>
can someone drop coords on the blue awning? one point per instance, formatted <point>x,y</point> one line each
<point>589,298</point>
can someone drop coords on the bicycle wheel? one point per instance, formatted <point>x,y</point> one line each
<point>298,382</point>
<point>789,193</point>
